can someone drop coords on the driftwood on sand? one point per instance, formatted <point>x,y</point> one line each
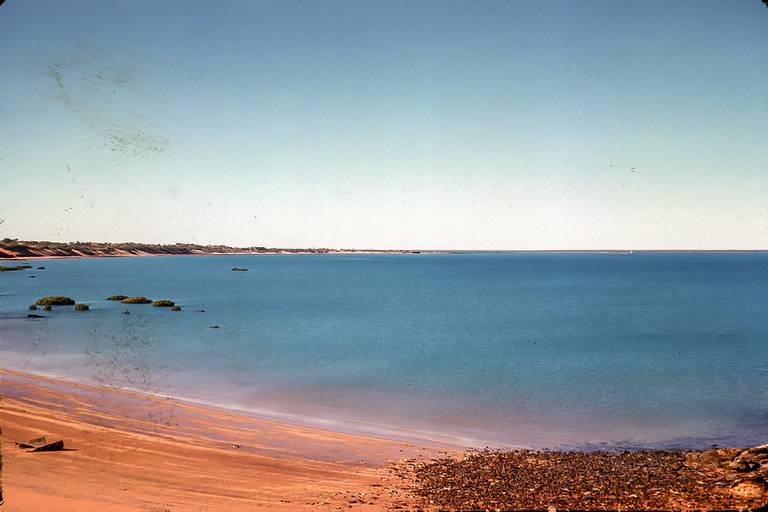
<point>41,444</point>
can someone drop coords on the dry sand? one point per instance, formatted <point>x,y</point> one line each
<point>130,451</point>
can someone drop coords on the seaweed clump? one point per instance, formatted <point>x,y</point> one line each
<point>164,303</point>
<point>117,297</point>
<point>82,307</point>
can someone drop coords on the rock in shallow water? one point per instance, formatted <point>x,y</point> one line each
<point>136,300</point>
<point>55,300</point>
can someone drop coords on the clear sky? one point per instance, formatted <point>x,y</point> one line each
<point>386,124</point>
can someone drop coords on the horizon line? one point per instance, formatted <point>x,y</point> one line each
<point>262,248</point>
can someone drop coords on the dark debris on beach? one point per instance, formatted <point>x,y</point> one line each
<point>721,479</point>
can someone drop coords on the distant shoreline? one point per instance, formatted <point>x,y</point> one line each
<point>23,249</point>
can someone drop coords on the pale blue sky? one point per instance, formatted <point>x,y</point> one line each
<point>414,124</point>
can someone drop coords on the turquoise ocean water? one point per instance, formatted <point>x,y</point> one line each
<point>538,350</point>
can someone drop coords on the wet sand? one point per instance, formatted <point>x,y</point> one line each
<point>131,451</point>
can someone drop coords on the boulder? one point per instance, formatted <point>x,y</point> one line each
<point>136,300</point>
<point>55,300</point>
<point>756,453</point>
<point>3,268</point>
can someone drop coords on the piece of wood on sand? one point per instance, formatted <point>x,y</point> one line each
<point>41,444</point>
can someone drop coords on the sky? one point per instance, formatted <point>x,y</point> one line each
<point>386,124</point>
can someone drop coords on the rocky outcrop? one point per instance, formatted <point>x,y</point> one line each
<point>136,300</point>
<point>55,300</point>
<point>753,459</point>
<point>4,268</point>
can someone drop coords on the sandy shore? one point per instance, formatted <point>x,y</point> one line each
<point>130,451</point>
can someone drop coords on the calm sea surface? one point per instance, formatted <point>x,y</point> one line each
<point>540,350</point>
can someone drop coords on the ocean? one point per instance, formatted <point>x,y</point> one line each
<point>540,350</point>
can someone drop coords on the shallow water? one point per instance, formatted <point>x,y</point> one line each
<point>541,350</point>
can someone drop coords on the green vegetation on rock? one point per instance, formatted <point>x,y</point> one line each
<point>136,300</point>
<point>164,303</point>
<point>55,300</point>
<point>117,297</point>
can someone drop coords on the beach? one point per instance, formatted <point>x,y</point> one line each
<point>125,450</point>
<point>132,451</point>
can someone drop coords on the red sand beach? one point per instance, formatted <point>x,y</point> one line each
<point>129,451</point>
